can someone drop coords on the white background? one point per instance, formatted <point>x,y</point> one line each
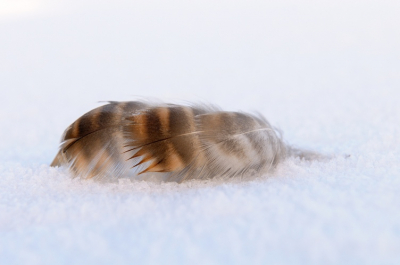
<point>327,73</point>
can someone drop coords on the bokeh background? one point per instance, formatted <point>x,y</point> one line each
<point>327,73</point>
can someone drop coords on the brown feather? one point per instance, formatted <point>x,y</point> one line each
<point>127,139</point>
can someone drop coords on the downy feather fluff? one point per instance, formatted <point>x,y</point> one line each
<point>178,142</point>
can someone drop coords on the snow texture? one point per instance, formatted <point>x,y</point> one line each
<point>327,73</point>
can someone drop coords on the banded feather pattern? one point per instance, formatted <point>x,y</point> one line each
<point>176,142</point>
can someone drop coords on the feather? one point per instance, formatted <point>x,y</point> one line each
<point>178,142</point>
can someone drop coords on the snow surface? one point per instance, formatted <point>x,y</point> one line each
<point>327,73</point>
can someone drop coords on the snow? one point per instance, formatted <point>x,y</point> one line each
<point>326,73</point>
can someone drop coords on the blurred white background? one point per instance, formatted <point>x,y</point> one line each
<point>276,57</point>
